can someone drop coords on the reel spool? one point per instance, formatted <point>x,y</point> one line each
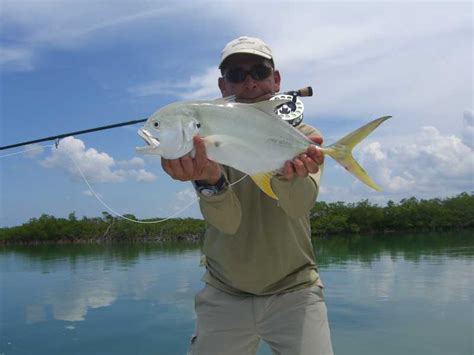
<point>292,111</point>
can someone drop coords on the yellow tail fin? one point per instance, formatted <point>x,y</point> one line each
<point>341,151</point>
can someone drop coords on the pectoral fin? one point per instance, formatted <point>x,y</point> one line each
<point>222,148</point>
<point>263,182</point>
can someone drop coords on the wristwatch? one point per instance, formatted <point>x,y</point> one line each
<point>211,190</point>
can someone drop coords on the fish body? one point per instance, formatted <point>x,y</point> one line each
<point>248,137</point>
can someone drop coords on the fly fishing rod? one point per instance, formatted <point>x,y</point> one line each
<point>292,112</point>
<point>60,136</point>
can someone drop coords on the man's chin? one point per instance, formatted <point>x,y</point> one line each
<point>249,99</point>
<point>245,100</point>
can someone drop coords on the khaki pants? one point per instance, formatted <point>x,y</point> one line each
<point>291,323</point>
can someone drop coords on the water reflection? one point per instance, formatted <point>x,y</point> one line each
<point>78,278</point>
<point>378,289</point>
<point>392,266</point>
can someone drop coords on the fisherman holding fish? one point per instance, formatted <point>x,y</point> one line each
<point>261,278</point>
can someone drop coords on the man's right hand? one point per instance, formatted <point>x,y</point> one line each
<point>187,169</point>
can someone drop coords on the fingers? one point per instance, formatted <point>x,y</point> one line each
<point>187,168</point>
<point>165,164</point>
<point>305,164</point>
<point>177,169</point>
<point>200,157</point>
<point>316,139</point>
<point>315,154</point>
<point>184,168</point>
<point>288,170</point>
<point>300,167</point>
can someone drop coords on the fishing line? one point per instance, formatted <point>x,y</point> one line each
<point>135,220</point>
<point>234,183</point>
<point>95,194</point>
<point>27,150</point>
<point>120,215</point>
<point>102,202</point>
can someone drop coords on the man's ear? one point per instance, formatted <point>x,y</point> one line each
<point>222,87</point>
<point>277,79</point>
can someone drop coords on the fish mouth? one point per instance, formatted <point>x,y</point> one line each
<point>148,138</point>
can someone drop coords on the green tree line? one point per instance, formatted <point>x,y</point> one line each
<point>335,218</point>
<point>409,214</point>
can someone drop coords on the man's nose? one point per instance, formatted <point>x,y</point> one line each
<point>249,81</point>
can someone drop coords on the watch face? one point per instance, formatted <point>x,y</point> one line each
<point>207,192</point>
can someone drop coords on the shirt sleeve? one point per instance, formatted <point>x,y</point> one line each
<point>222,210</point>
<point>297,196</point>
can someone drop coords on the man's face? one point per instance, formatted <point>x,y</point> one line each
<point>250,90</point>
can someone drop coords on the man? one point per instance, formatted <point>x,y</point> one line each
<point>261,278</point>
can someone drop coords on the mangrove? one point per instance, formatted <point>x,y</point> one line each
<point>327,219</point>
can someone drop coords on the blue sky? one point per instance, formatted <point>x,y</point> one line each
<point>71,65</point>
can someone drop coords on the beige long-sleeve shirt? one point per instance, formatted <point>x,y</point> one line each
<point>255,244</point>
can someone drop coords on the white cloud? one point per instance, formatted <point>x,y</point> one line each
<point>426,164</point>
<point>16,59</point>
<point>73,157</point>
<point>201,86</point>
<point>90,194</point>
<point>369,59</point>
<point>61,22</point>
<point>70,24</point>
<point>186,195</point>
<point>134,163</point>
<point>185,203</point>
<point>33,150</point>
<point>364,60</point>
<point>468,129</point>
<point>140,175</point>
<point>333,191</point>
<point>432,163</point>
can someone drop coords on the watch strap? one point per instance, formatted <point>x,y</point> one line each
<point>210,190</point>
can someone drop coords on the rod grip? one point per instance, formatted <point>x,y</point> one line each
<point>307,91</point>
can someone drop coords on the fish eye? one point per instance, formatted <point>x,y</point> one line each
<point>198,125</point>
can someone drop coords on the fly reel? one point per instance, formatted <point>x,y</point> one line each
<point>292,110</point>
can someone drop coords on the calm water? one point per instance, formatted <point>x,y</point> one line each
<point>410,294</point>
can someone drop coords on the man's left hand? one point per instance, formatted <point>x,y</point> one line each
<point>307,162</point>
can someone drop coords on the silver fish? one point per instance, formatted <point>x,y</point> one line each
<point>248,137</point>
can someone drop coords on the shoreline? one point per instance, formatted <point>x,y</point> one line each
<point>326,220</point>
<point>196,239</point>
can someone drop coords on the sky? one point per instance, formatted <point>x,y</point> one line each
<point>72,65</point>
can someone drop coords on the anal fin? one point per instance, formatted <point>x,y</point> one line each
<point>263,182</point>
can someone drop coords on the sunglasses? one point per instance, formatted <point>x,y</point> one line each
<point>257,72</point>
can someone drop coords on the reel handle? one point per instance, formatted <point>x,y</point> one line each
<point>303,92</point>
<point>307,91</point>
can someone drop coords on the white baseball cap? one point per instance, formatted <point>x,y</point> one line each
<point>249,45</point>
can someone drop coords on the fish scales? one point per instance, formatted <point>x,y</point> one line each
<point>248,137</point>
